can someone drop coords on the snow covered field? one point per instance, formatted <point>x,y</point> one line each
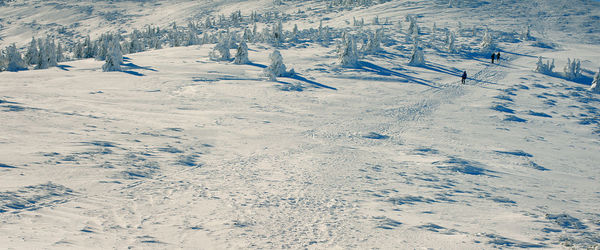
<point>180,151</point>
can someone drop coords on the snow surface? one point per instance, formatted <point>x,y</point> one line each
<point>179,151</point>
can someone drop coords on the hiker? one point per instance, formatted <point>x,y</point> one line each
<point>498,57</point>
<point>464,77</point>
<point>493,56</point>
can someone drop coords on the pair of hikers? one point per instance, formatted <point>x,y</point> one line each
<point>496,56</point>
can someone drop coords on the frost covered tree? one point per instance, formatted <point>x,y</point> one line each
<point>487,44</point>
<point>374,43</point>
<point>51,50</point>
<point>544,68</point>
<point>450,40</point>
<point>60,53</point>
<point>278,35</point>
<point>114,57</point>
<point>347,52</point>
<point>572,69</point>
<point>595,88</point>
<point>241,56</point>
<point>14,60</point>
<point>526,33</point>
<point>413,28</point>
<point>43,60</point>
<point>221,51</point>
<point>276,67</point>
<point>417,58</point>
<point>32,52</point>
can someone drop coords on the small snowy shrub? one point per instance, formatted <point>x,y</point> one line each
<point>544,68</point>
<point>572,69</point>
<point>347,52</point>
<point>241,56</point>
<point>417,58</point>
<point>596,83</point>
<point>276,68</point>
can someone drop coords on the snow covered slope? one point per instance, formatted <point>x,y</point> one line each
<point>179,151</point>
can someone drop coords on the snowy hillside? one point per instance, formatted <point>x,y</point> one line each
<point>357,143</point>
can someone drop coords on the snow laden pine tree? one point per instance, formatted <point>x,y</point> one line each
<point>572,69</point>
<point>241,56</point>
<point>374,43</point>
<point>450,40</point>
<point>14,60</point>
<point>347,52</point>
<point>221,51</point>
<point>32,53</point>
<point>114,57</point>
<point>526,33</point>
<point>47,54</point>
<point>544,68</point>
<point>276,67</point>
<point>417,58</point>
<point>487,44</point>
<point>595,88</point>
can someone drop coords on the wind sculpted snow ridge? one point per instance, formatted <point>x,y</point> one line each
<point>180,151</point>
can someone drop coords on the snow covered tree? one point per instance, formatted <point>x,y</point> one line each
<point>278,33</point>
<point>221,51</point>
<point>595,88</point>
<point>450,39</point>
<point>60,53</point>
<point>572,69</point>
<point>114,57</point>
<point>32,52</point>
<point>51,50</point>
<point>241,56</point>
<point>417,58</point>
<point>487,44</point>
<point>413,28</point>
<point>276,67</point>
<point>526,33</point>
<point>43,55</point>
<point>347,52</point>
<point>374,43</point>
<point>89,51</point>
<point>14,60</point>
<point>544,68</point>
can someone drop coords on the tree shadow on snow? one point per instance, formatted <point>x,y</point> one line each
<point>303,79</point>
<point>387,72</point>
<point>64,67</point>
<point>129,67</point>
<point>295,76</point>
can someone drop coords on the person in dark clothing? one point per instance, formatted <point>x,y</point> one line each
<point>498,57</point>
<point>464,77</point>
<point>493,56</point>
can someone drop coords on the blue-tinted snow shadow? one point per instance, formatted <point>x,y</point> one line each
<point>2,165</point>
<point>387,72</point>
<point>64,67</point>
<point>296,77</point>
<point>257,65</point>
<point>439,68</point>
<point>129,67</point>
<point>301,78</point>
